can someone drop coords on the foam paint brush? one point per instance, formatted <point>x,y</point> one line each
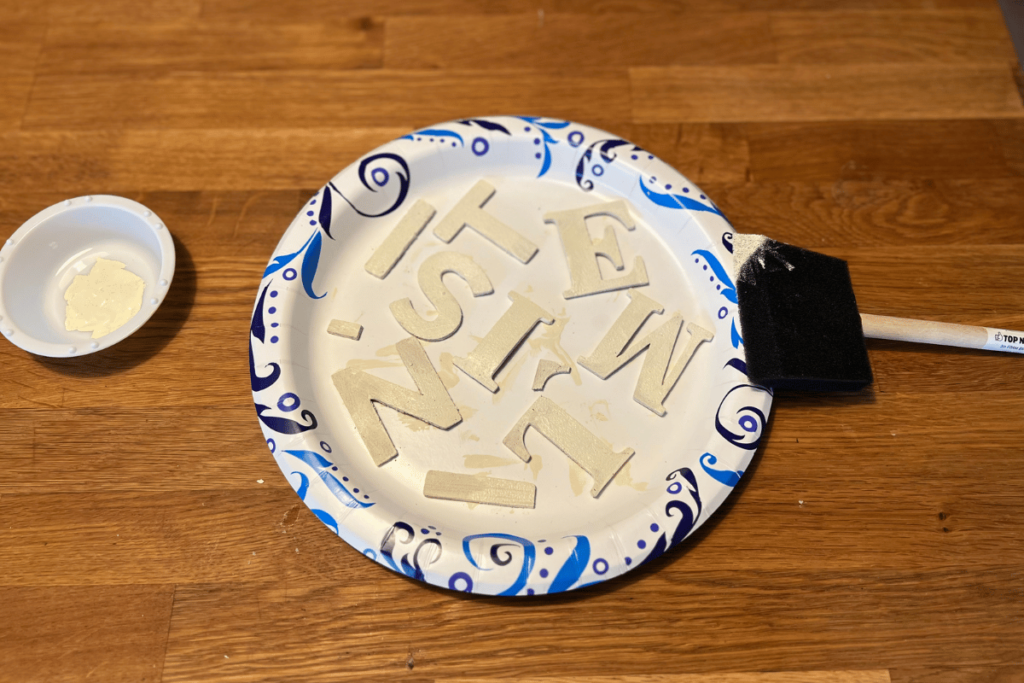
<point>800,324</point>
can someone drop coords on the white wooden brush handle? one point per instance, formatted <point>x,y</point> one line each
<point>945,334</point>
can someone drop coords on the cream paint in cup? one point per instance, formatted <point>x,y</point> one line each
<point>42,258</point>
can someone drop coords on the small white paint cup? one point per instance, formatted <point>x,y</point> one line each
<point>41,259</point>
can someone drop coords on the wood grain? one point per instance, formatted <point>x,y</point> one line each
<point>758,677</point>
<point>260,11</point>
<point>683,6</point>
<point>119,48</point>
<point>131,11</point>
<point>945,36</point>
<point>85,461</point>
<point>559,41</point>
<point>838,92</point>
<point>948,149</point>
<point>1007,674</point>
<point>72,633</point>
<point>20,43</point>
<point>146,534</point>
<point>897,213</point>
<point>835,626</point>
<point>132,161</point>
<point>285,99</point>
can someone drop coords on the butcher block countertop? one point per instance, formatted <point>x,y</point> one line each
<point>146,533</point>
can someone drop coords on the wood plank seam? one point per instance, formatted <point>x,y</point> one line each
<point>167,633</point>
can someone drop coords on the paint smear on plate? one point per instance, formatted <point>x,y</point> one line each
<point>483,461</point>
<point>104,300</point>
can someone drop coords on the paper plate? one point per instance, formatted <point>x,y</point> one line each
<point>395,434</point>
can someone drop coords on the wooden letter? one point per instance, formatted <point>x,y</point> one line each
<point>595,456</point>
<point>615,350</point>
<point>546,369</point>
<point>400,239</point>
<point>343,328</point>
<point>469,212</point>
<point>449,313</point>
<point>581,251</point>
<point>431,404</point>
<point>506,335</point>
<point>472,488</point>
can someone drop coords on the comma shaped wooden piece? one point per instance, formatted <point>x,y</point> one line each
<point>343,328</point>
<point>546,369</point>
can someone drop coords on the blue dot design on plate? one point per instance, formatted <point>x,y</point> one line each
<point>719,271</point>
<point>323,467</point>
<point>543,127</point>
<point>290,274</point>
<point>433,135</point>
<point>480,146</point>
<point>601,566</point>
<point>288,402</point>
<point>461,581</point>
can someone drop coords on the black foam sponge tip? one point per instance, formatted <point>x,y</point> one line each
<point>800,325</point>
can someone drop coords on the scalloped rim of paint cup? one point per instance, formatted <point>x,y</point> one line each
<point>39,261</point>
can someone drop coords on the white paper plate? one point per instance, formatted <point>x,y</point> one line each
<point>685,463</point>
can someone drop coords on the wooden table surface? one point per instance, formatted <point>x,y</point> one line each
<point>136,542</point>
